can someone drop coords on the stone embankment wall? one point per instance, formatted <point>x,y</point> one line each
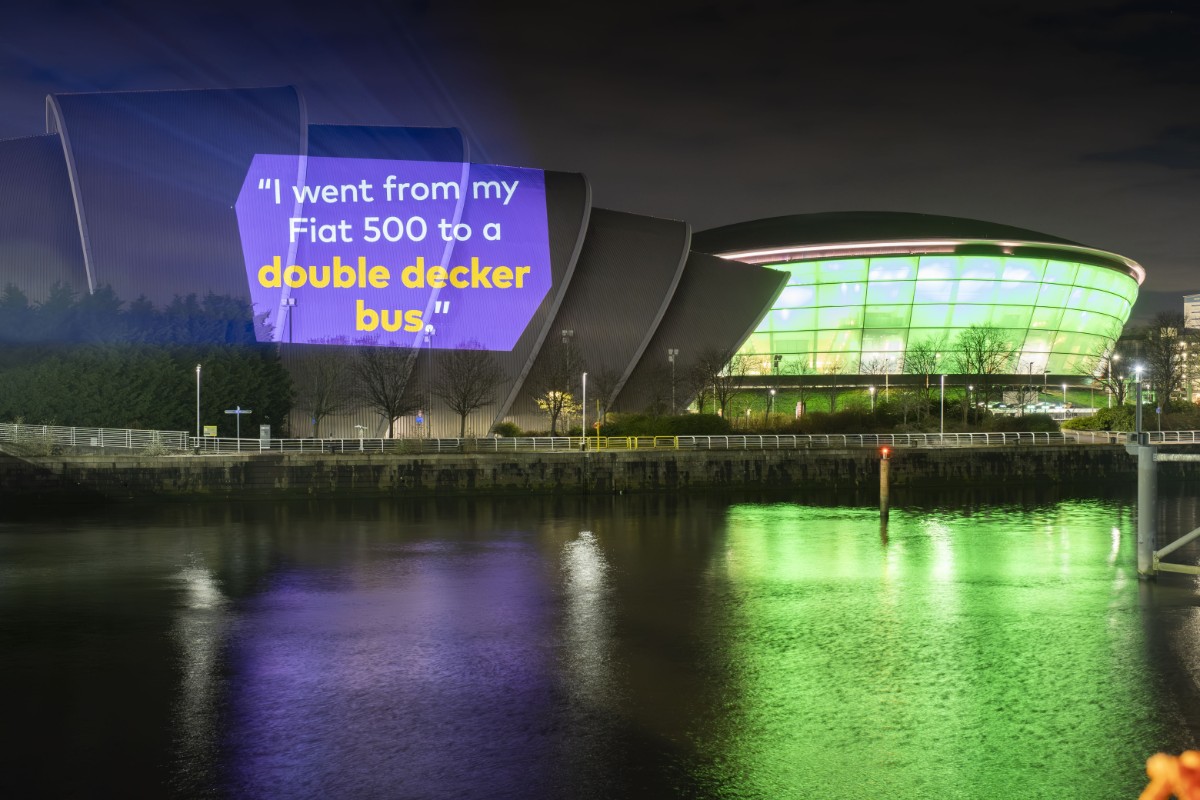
<point>274,475</point>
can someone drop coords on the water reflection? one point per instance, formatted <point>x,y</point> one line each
<point>647,646</point>
<point>994,649</point>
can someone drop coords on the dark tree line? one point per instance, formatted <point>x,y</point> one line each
<point>92,360</point>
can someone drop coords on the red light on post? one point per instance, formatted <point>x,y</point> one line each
<point>884,452</point>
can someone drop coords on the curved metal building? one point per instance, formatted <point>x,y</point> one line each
<point>865,287</point>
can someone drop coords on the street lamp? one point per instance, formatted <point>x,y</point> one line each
<point>967,402</point>
<point>429,332</point>
<point>942,403</point>
<point>771,404</point>
<point>583,419</point>
<point>671,353</point>
<point>291,304</point>
<point>872,390</point>
<point>197,404</point>
<point>1064,401</point>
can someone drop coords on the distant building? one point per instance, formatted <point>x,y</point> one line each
<point>1191,311</point>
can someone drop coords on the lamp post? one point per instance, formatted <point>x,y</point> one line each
<point>1064,401</point>
<point>967,402</point>
<point>872,391</point>
<point>291,304</point>
<point>770,404</point>
<point>671,353</point>
<point>583,419</point>
<point>942,403</point>
<point>429,332</point>
<point>197,404</point>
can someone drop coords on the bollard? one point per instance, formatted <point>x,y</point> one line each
<point>883,485</point>
<point>1147,510</point>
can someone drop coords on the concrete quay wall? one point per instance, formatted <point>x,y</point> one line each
<point>107,477</point>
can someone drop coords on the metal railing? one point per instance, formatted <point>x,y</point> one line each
<point>528,444</point>
<point>51,436</point>
<point>47,436</point>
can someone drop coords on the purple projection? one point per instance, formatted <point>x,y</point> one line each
<point>393,253</point>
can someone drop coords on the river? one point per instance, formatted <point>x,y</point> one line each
<point>984,646</point>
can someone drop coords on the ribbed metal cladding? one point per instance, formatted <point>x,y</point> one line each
<point>568,208</point>
<point>39,240</point>
<point>716,307</point>
<point>401,144</point>
<point>627,273</point>
<point>156,178</point>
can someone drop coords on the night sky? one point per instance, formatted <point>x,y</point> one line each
<point>1079,119</point>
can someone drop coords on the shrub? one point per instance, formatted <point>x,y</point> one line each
<point>1039,423</point>
<point>506,429</point>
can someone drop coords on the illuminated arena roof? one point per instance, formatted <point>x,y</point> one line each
<point>865,287</point>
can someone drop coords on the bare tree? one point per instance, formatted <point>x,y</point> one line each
<point>604,386</point>
<point>1104,365</point>
<point>554,389</point>
<point>831,369</point>
<point>1166,351</point>
<point>466,380</point>
<point>322,377</point>
<point>794,370</point>
<point>383,375</point>
<point>721,371</point>
<point>984,351</point>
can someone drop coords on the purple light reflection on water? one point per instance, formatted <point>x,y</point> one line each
<point>387,681</point>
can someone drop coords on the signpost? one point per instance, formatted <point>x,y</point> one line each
<point>237,412</point>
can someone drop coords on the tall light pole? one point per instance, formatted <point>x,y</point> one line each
<point>583,411</point>
<point>872,390</point>
<point>197,403</point>
<point>291,304</point>
<point>429,332</point>
<point>671,353</point>
<point>1064,401</point>
<point>771,404</point>
<point>967,402</point>
<point>942,403</point>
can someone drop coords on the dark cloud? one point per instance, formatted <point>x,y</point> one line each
<point>1075,117</point>
<point>1176,148</point>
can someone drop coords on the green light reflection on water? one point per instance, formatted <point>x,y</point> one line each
<point>990,654</point>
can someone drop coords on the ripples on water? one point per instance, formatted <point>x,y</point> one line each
<point>626,647</point>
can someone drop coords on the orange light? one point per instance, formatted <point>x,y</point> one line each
<point>885,452</point>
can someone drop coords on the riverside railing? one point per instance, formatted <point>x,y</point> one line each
<point>526,444</point>
<point>50,436</point>
<point>46,437</point>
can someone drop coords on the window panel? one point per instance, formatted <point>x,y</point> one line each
<point>840,317</point>
<point>1046,317</point>
<point>802,273</point>
<point>1016,293</point>
<point>886,316</point>
<point>885,342</point>
<point>931,316</point>
<point>938,268</point>
<point>933,292</point>
<point>1053,295</point>
<point>982,268</point>
<point>893,269</point>
<point>890,292</point>
<point>841,342</point>
<point>842,271</point>
<point>976,291</point>
<point>840,294</point>
<point>796,297</point>
<point>1060,272</point>
<point>1024,269</point>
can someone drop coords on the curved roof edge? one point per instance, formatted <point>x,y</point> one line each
<point>804,237</point>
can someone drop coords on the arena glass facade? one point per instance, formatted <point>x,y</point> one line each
<point>857,308</point>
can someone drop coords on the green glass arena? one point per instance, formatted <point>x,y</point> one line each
<point>865,288</point>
